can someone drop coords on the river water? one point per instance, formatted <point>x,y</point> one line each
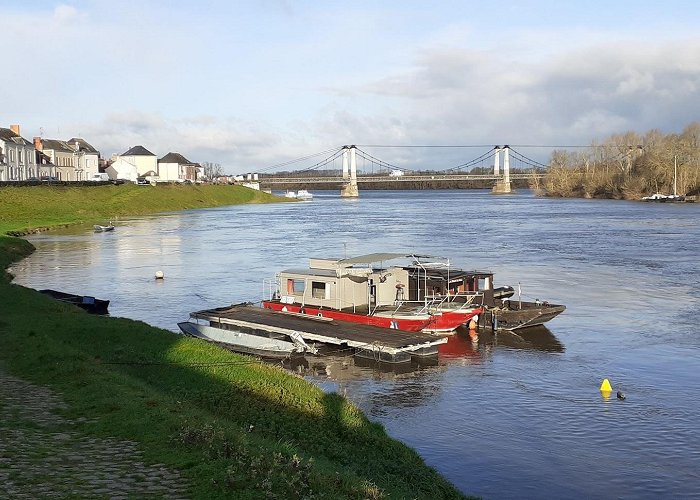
<point>500,416</point>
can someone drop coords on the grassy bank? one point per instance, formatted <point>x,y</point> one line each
<point>233,426</point>
<point>36,207</point>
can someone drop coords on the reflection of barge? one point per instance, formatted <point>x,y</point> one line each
<point>471,346</point>
<point>267,332</point>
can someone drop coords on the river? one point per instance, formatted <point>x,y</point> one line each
<point>501,416</point>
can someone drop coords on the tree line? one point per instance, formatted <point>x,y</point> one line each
<point>627,166</point>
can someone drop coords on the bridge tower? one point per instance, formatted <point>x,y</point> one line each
<point>496,160</point>
<point>502,185</point>
<point>349,189</point>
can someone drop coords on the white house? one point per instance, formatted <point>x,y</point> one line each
<point>17,156</point>
<point>61,158</point>
<point>87,157</point>
<point>137,159</point>
<point>174,167</point>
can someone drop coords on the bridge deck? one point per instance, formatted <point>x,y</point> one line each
<point>386,178</point>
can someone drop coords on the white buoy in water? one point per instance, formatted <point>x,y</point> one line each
<point>159,275</point>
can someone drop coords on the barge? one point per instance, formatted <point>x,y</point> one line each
<point>251,329</point>
<point>362,290</point>
<point>424,294</point>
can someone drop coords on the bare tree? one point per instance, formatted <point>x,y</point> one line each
<point>212,170</point>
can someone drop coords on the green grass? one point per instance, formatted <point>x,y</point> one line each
<point>29,208</point>
<point>234,427</point>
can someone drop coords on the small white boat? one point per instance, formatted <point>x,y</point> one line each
<point>103,229</point>
<point>303,194</point>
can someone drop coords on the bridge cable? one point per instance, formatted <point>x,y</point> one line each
<point>289,162</point>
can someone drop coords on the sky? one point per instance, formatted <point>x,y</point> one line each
<point>252,84</point>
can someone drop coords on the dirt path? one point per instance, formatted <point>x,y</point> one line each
<point>43,455</point>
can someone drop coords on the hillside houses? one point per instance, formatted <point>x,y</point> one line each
<point>77,160</point>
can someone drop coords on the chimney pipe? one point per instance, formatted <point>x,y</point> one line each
<point>38,145</point>
<point>15,129</point>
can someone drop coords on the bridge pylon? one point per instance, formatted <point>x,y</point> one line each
<point>350,189</point>
<point>503,185</point>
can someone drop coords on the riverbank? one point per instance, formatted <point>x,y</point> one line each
<point>32,208</point>
<point>216,423</point>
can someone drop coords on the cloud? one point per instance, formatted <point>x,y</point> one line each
<point>64,14</point>
<point>255,84</point>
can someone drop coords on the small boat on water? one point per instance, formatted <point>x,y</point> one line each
<point>663,198</point>
<point>103,229</point>
<point>302,194</point>
<point>86,302</point>
<point>668,198</point>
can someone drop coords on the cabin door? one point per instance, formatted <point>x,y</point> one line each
<point>372,294</point>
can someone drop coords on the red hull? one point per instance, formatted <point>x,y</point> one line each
<point>445,322</point>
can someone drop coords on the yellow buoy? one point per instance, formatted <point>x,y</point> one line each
<point>605,386</point>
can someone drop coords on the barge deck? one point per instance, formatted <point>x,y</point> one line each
<point>381,344</point>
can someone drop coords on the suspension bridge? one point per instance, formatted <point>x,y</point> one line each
<point>348,177</point>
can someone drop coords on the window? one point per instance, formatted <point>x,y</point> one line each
<point>318,290</point>
<point>12,155</point>
<point>295,287</point>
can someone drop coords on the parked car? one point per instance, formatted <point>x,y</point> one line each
<point>102,177</point>
<point>142,181</point>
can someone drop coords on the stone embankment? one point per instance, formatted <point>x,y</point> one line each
<point>44,455</point>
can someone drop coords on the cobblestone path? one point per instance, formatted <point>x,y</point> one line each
<point>50,459</point>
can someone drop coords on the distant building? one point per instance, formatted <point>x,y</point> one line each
<point>135,162</point>
<point>174,167</point>
<point>87,157</point>
<point>73,160</point>
<point>17,156</point>
<point>61,158</point>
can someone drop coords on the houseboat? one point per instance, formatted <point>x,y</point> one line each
<point>426,293</point>
<point>363,290</point>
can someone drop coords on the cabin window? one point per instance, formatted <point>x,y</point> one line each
<point>318,290</point>
<point>295,287</point>
<point>484,284</point>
